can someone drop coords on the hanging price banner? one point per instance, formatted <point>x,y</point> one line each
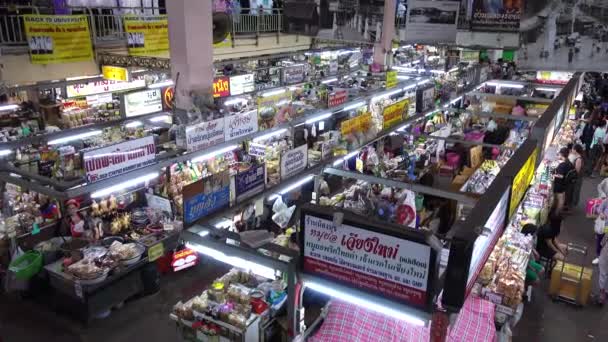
<point>221,87</point>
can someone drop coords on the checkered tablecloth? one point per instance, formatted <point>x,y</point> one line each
<point>347,322</point>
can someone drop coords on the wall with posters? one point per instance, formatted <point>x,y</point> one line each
<point>58,38</point>
<point>365,257</point>
<point>430,21</point>
<point>147,35</point>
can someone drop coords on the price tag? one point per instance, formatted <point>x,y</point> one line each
<point>168,226</point>
<point>359,165</point>
<point>156,251</point>
<point>78,289</point>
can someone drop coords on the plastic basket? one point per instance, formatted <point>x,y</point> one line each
<point>27,265</point>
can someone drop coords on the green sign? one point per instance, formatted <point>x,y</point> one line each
<point>508,55</point>
<point>156,252</point>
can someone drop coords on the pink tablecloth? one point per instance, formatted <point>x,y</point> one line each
<point>347,322</point>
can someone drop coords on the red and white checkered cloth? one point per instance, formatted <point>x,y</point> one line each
<point>352,323</point>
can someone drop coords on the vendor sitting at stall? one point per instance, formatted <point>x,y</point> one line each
<point>547,245</point>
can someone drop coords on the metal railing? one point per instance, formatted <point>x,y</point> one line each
<point>106,24</point>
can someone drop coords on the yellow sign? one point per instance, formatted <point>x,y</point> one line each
<point>395,113</point>
<point>147,35</point>
<point>357,124</point>
<point>58,38</point>
<point>156,251</point>
<point>391,79</point>
<point>521,182</point>
<point>115,73</point>
<point>224,43</point>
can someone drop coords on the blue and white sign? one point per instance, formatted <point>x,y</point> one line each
<point>206,196</point>
<point>250,182</point>
<point>257,150</point>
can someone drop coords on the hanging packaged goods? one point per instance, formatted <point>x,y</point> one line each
<point>147,35</point>
<point>114,160</point>
<point>58,38</point>
<point>206,196</point>
<point>395,113</point>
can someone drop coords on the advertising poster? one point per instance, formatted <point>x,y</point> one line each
<point>206,196</point>
<point>358,21</point>
<point>294,161</point>
<point>564,36</point>
<point>143,102</point>
<point>395,113</point>
<point>147,35</point>
<point>470,56</point>
<point>221,87</point>
<point>553,77</point>
<point>105,86</point>
<point>239,125</point>
<point>430,21</point>
<point>521,182</point>
<point>115,73</point>
<point>497,15</point>
<point>391,79</point>
<point>384,265</point>
<point>250,182</point>
<point>274,109</point>
<point>114,160</point>
<point>58,38</point>
<point>204,134</point>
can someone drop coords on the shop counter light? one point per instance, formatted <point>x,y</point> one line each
<point>452,102</point>
<point>133,124</point>
<point>401,77</point>
<point>379,97</point>
<point>4,153</point>
<point>269,135</point>
<point>274,92</point>
<point>345,296</point>
<point>329,80</point>
<point>261,270</point>
<point>547,89</point>
<point>9,107</point>
<point>355,105</point>
<point>453,69</point>
<point>411,86</point>
<point>163,84</point>
<point>74,137</point>
<point>291,187</point>
<point>223,224</point>
<point>214,153</point>
<point>423,82</point>
<point>235,101</point>
<point>124,185</point>
<point>505,85</point>
<point>160,118</point>
<point>318,118</point>
<point>346,157</point>
<point>82,77</point>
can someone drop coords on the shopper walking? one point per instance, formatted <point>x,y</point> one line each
<point>563,178</point>
<point>570,55</point>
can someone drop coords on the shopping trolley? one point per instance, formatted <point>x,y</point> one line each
<point>570,281</point>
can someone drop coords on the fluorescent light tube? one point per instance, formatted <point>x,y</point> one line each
<point>387,94</point>
<point>355,106</point>
<point>124,185</point>
<point>318,118</point>
<point>423,82</point>
<point>133,124</point>
<point>270,135</point>
<point>399,77</point>
<point>453,69</point>
<point>546,89</point>
<point>506,85</point>
<point>5,152</point>
<point>348,156</point>
<point>224,224</point>
<point>234,101</point>
<point>274,92</point>
<point>247,265</point>
<point>292,186</point>
<point>214,153</point>
<point>203,233</point>
<point>345,296</point>
<point>411,86</point>
<point>167,83</point>
<point>329,80</point>
<point>74,137</point>
<point>82,77</point>
<point>9,107</point>
<point>160,118</point>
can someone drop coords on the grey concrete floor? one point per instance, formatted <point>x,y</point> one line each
<point>146,319</point>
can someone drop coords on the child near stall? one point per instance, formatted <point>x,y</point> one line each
<point>534,269</point>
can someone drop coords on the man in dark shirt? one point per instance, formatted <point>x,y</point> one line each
<point>562,179</point>
<point>547,244</point>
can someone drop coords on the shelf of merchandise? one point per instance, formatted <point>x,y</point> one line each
<point>511,97</point>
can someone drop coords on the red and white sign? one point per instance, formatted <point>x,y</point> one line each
<point>105,86</point>
<point>221,87</point>
<point>337,98</point>
<point>117,159</point>
<point>553,77</point>
<point>204,134</point>
<point>183,259</point>
<point>378,263</point>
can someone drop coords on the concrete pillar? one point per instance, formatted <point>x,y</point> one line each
<point>385,45</point>
<point>191,40</point>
